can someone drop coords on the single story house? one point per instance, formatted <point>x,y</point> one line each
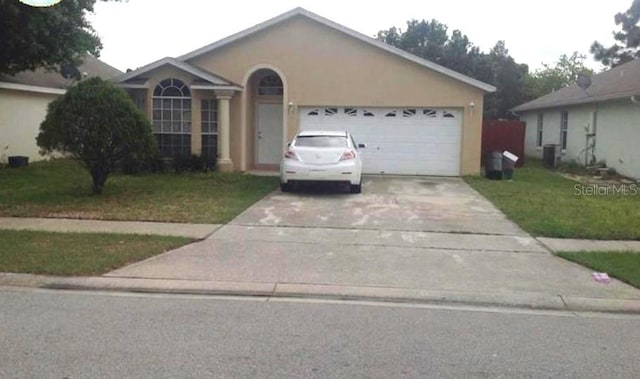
<point>244,97</point>
<point>595,121</point>
<point>23,104</point>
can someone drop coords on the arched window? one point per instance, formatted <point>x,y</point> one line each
<point>270,85</point>
<point>172,118</point>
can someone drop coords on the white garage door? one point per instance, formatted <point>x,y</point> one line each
<point>406,141</point>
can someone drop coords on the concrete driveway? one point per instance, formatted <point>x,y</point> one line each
<point>387,203</point>
<point>431,235</point>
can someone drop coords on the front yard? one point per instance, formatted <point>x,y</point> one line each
<point>77,253</point>
<point>62,188</point>
<point>546,204</point>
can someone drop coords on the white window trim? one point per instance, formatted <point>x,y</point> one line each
<point>564,131</point>
<point>539,130</point>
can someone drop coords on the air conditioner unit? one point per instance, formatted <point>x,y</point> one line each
<point>551,155</point>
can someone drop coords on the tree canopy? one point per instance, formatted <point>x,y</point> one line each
<point>552,77</point>
<point>627,45</point>
<point>98,124</point>
<point>46,37</point>
<point>430,40</point>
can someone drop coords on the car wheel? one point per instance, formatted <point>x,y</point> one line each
<point>356,188</point>
<point>286,187</point>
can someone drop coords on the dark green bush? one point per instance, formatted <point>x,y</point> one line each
<point>97,123</point>
<point>190,163</point>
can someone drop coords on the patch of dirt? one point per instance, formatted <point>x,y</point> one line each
<point>596,179</point>
<point>80,215</point>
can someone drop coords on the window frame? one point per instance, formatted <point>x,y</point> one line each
<point>270,85</point>
<point>172,134</point>
<point>539,128</point>
<point>564,129</point>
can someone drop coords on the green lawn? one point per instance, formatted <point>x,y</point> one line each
<point>546,204</point>
<point>77,253</point>
<point>621,265</point>
<point>62,188</point>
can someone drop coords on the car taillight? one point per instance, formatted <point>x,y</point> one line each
<point>289,154</point>
<point>349,154</point>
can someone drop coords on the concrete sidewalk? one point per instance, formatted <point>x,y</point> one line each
<point>197,231</point>
<point>201,231</point>
<point>355,263</point>
<point>494,270</point>
<point>568,244</point>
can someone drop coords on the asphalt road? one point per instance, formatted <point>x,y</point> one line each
<point>57,334</point>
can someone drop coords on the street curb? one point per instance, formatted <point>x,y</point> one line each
<point>525,300</point>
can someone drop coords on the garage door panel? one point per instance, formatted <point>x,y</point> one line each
<point>418,141</point>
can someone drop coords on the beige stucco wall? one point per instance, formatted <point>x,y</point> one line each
<point>321,66</point>
<point>21,113</point>
<point>617,135</point>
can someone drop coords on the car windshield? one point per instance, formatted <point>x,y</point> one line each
<point>321,141</point>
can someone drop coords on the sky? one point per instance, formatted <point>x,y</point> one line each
<point>137,32</point>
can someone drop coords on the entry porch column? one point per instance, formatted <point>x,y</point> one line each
<point>224,162</point>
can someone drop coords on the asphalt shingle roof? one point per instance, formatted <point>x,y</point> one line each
<point>619,82</point>
<point>52,79</point>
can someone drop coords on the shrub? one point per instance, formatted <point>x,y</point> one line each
<point>153,164</point>
<point>97,123</point>
<point>192,163</point>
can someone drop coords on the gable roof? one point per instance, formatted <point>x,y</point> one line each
<point>214,79</point>
<point>357,35</point>
<point>619,82</point>
<point>41,80</point>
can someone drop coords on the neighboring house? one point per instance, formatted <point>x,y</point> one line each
<point>244,97</point>
<point>23,104</point>
<point>597,122</point>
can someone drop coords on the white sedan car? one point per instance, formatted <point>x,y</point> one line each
<point>325,156</point>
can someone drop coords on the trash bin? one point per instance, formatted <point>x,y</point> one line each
<point>508,163</point>
<point>493,165</point>
<point>18,161</point>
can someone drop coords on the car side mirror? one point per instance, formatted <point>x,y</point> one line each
<point>361,146</point>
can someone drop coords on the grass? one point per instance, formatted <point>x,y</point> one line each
<point>77,254</point>
<point>546,204</point>
<point>621,265</point>
<point>62,188</point>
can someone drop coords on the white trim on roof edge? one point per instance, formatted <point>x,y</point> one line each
<point>193,70</point>
<point>29,88</point>
<point>133,86</point>
<point>301,11</point>
<point>574,102</point>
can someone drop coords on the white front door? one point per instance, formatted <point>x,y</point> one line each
<point>269,134</point>
<point>406,141</point>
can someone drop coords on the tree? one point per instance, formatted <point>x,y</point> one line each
<point>460,54</point>
<point>551,77</point>
<point>627,45</point>
<point>430,40</point>
<point>46,37</point>
<point>508,76</point>
<point>97,124</point>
